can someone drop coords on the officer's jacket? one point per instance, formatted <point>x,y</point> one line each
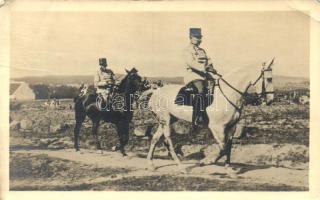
<point>196,57</point>
<point>104,77</point>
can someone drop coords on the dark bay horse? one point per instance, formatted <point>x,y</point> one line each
<point>119,111</point>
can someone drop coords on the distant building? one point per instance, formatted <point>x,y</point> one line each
<point>21,91</point>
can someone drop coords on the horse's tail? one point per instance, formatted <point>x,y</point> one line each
<point>80,116</point>
<point>78,108</point>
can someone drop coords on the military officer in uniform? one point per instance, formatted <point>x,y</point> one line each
<point>104,80</point>
<point>196,59</point>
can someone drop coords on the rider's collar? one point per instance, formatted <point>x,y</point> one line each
<point>103,68</point>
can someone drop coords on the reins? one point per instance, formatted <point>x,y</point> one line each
<point>261,75</point>
<point>243,94</point>
<point>225,96</point>
<point>228,84</point>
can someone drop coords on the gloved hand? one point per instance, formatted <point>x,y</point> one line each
<point>209,68</point>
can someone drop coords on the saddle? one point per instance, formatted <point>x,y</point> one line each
<point>188,94</point>
<point>198,95</point>
<point>107,95</point>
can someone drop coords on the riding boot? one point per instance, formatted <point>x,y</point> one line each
<point>194,125</point>
<point>196,114</point>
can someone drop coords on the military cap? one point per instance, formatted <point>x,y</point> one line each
<point>103,61</point>
<point>195,32</point>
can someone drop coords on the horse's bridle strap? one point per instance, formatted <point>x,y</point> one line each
<point>225,96</point>
<point>258,79</point>
<point>235,89</point>
<point>243,94</point>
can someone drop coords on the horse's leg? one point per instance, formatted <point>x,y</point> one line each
<point>174,155</point>
<point>80,117</point>
<point>177,149</point>
<point>172,152</point>
<point>166,144</point>
<point>221,154</point>
<point>228,152</point>
<point>155,139</point>
<point>167,135</point>
<point>229,133</point>
<point>230,171</point>
<point>123,133</point>
<point>225,151</point>
<point>95,126</point>
<point>124,139</point>
<point>218,135</point>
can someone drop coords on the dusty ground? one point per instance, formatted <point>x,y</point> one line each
<point>68,170</point>
<point>274,155</point>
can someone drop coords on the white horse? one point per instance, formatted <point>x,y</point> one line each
<point>224,113</point>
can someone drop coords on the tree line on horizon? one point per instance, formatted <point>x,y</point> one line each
<point>45,91</point>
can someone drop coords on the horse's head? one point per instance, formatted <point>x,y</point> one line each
<point>134,80</point>
<point>263,87</point>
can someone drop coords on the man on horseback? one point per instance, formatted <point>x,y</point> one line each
<point>104,81</point>
<point>198,66</point>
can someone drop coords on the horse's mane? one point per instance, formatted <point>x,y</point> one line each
<point>123,82</point>
<point>241,76</point>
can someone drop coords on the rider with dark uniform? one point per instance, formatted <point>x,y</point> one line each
<point>197,62</point>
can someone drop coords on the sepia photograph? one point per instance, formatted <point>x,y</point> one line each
<point>214,100</point>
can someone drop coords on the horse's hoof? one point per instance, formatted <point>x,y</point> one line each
<point>232,175</point>
<point>205,162</point>
<point>99,151</point>
<point>182,169</point>
<point>124,154</point>
<point>79,152</point>
<point>231,172</point>
<point>180,156</point>
<point>152,168</point>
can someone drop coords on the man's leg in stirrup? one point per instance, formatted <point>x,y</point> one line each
<point>103,99</point>
<point>199,105</point>
<point>195,113</point>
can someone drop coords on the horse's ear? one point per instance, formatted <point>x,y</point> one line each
<point>134,70</point>
<point>127,71</point>
<point>271,63</point>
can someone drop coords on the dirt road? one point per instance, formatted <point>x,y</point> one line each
<point>89,170</point>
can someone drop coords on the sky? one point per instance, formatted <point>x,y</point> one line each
<point>70,43</point>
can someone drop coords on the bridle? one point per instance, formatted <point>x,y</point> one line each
<point>245,96</point>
